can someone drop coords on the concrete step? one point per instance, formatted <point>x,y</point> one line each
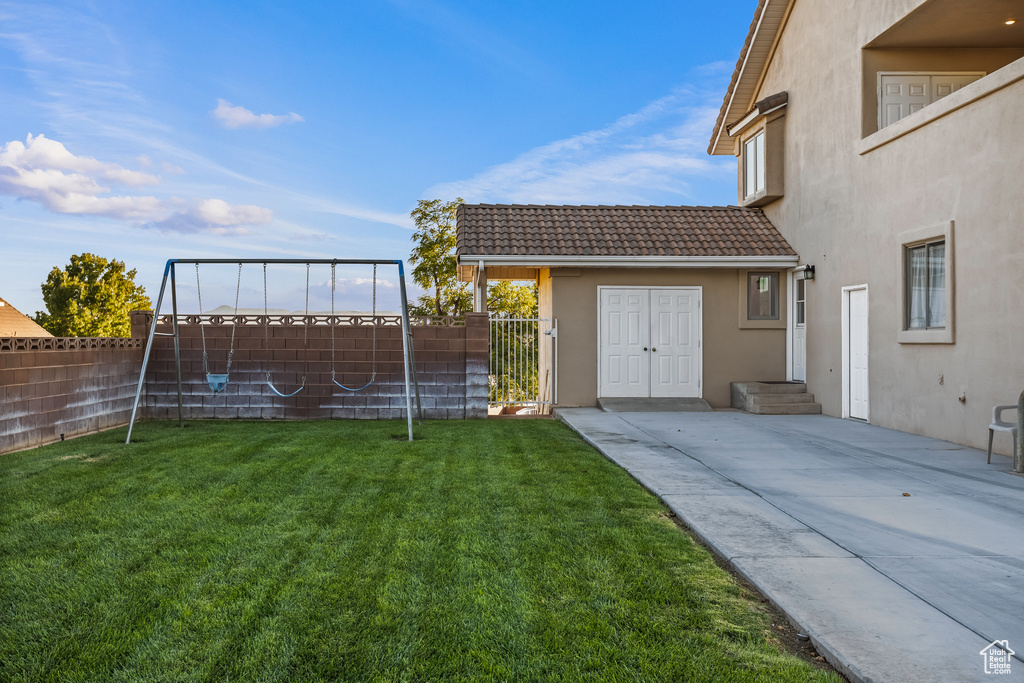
<point>653,405</point>
<point>770,387</point>
<point>766,399</point>
<point>787,409</point>
<point>739,391</point>
<point>773,398</point>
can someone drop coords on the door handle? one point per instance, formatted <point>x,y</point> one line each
<point>653,349</point>
<point>645,348</point>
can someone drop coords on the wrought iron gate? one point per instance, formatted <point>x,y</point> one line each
<point>523,362</point>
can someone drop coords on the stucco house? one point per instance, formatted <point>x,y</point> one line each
<point>885,141</point>
<point>881,145</point>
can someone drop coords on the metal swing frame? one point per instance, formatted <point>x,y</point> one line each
<point>411,384</point>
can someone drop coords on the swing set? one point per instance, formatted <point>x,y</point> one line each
<point>218,382</point>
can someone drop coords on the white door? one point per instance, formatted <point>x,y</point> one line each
<point>625,360</point>
<point>675,343</point>
<point>858,353</point>
<point>902,94</point>
<point>799,331</point>
<point>649,342</point>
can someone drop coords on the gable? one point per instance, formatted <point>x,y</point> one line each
<point>13,323</point>
<point>762,37</point>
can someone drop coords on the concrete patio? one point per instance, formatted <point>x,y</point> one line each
<point>901,556</point>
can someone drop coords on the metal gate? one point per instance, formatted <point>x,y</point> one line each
<point>523,363</point>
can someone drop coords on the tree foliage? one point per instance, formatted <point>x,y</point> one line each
<point>433,260</point>
<point>509,300</point>
<point>514,344</point>
<point>435,269</point>
<point>91,297</point>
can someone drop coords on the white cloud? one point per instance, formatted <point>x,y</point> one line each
<point>240,117</point>
<point>44,171</point>
<point>215,216</point>
<point>343,284</point>
<point>654,152</point>
<point>219,212</point>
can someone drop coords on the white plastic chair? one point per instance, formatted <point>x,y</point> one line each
<point>1000,425</point>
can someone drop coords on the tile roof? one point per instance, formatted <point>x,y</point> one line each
<point>600,231</point>
<point>13,323</point>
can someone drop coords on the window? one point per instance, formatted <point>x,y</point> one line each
<point>753,165</point>
<point>760,139</point>
<point>762,296</point>
<point>801,300</point>
<point>926,286</point>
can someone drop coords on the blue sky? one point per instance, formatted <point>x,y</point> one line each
<point>144,131</point>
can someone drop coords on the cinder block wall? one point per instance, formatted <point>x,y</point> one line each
<point>451,363</point>
<point>52,386</point>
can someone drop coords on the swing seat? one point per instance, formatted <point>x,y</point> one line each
<point>283,395</point>
<point>350,388</point>
<point>217,382</point>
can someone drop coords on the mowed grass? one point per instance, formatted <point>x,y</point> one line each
<point>246,551</point>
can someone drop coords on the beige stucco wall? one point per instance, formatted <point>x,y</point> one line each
<point>729,353</point>
<point>844,211</point>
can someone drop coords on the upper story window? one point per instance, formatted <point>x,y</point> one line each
<point>760,143</point>
<point>753,165</point>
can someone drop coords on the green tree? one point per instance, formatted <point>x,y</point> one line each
<point>91,297</point>
<point>433,260</point>
<point>515,346</point>
<point>509,300</point>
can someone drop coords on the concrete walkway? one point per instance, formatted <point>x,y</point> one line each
<point>813,510</point>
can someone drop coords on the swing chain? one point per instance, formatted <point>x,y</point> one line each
<point>266,318</point>
<point>373,321</point>
<point>266,334</point>
<point>234,326</point>
<point>305,327</point>
<point>333,322</point>
<point>202,332</point>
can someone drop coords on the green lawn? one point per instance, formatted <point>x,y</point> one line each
<point>247,551</point>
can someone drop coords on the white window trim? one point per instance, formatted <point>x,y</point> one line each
<point>912,238</point>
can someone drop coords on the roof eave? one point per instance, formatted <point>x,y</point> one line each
<point>554,261</point>
<point>758,48</point>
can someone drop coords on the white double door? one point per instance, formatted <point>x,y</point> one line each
<point>649,342</point>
